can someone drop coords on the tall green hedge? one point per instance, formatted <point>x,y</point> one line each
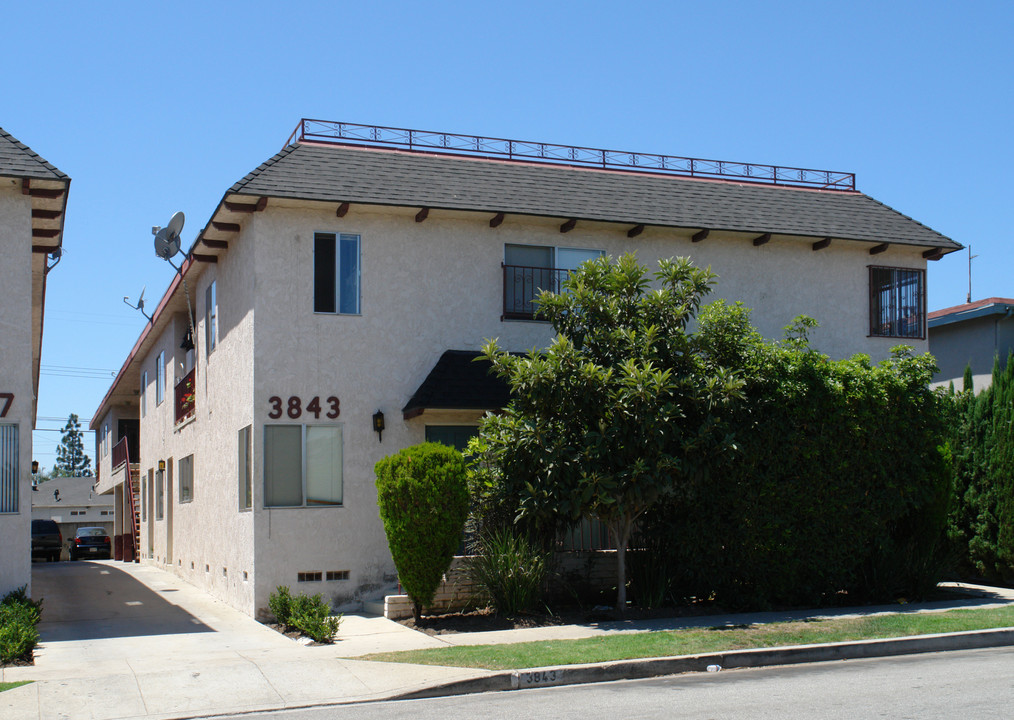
<point>982,519</point>
<point>423,500</point>
<point>837,492</point>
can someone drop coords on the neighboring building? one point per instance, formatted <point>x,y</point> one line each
<point>331,282</point>
<point>72,503</point>
<point>33,201</point>
<point>971,335</point>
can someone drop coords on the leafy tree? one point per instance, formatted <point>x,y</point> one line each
<point>423,500</point>
<point>621,409</point>
<point>71,460</point>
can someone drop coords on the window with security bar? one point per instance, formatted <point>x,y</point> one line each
<point>530,269</point>
<point>9,468</point>
<point>897,302</point>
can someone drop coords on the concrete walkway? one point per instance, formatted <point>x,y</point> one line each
<point>132,641</point>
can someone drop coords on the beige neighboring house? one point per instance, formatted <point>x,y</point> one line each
<point>349,280</point>
<point>971,335</point>
<point>72,502</point>
<point>33,202</point>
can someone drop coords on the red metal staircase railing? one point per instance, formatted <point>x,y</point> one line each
<point>131,541</point>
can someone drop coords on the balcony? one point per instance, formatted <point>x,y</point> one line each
<point>185,398</point>
<point>522,285</point>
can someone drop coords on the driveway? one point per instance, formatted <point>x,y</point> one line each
<point>123,640</point>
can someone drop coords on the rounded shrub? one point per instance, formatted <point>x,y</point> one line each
<point>422,496</point>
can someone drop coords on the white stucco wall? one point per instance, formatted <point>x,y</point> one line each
<point>208,540</point>
<point>16,374</point>
<point>425,288</point>
<point>437,285</point>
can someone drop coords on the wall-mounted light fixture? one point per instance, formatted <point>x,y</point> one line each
<point>378,424</point>
<point>35,467</point>
<point>161,465</point>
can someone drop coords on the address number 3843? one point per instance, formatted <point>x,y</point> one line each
<point>293,408</point>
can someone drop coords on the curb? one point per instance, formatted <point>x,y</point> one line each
<point>760,657</point>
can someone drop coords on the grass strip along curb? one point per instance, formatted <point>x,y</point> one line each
<point>760,657</point>
<point>696,641</point>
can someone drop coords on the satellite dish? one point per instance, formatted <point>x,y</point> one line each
<point>166,245</point>
<point>175,226</point>
<point>167,239</point>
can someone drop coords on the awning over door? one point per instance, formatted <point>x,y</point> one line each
<point>458,382</point>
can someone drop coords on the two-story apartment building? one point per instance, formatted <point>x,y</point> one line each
<point>33,202</point>
<point>338,288</point>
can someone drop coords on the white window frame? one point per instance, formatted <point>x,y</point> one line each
<point>160,494</point>
<point>339,238</point>
<point>303,470</point>
<point>186,478</point>
<point>211,318</point>
<point>160,378</point>
<point>245,467</point>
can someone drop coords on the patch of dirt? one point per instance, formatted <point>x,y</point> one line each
<point>294,635</point>
<point>23,661</point>
<point>485,619</point>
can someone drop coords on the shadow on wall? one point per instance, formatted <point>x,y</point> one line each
<point>92,600</point>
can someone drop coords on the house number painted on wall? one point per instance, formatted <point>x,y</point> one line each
<point>6,400</point>
<point>294,407</point>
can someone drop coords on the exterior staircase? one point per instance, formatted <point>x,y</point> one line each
<point>128,544</point>
<point>134,534</point>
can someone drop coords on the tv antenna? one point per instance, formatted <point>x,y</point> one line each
<point>970,258</point>
<point>140,303</point>
<point>167,246</point>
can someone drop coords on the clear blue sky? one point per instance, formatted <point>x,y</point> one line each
<point>158,107</point>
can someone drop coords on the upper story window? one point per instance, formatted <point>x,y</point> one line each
<point>336,273</point>
<point>897,302</point>
<point>210,318</point>
<point>530,269</point>
<point>160,378</point>
<point>144,393</point>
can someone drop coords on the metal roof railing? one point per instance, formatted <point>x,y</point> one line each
<point>342,133</point>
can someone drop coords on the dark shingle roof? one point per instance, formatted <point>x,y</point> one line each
<point>20,161</point>
<point>401,178</point>
<point>460,382</point>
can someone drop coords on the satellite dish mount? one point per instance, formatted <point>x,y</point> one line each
<point>167,246</point>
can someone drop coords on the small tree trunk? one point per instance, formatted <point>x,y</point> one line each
<point>621,534</point>
<point>416,611</point>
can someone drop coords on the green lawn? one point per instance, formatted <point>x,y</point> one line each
<point>12,685</point>
<point>701,640</point>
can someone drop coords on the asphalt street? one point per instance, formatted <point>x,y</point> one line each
<point>972,685</point>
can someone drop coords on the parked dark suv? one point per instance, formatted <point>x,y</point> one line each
<point>47,542</point>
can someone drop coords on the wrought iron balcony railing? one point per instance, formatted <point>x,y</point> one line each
<point>522,285</point>
<point>342,133</point>
<point>185,397</point>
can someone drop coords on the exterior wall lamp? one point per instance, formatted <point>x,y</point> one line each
<point>378,424</point>
<point>161,465</point>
